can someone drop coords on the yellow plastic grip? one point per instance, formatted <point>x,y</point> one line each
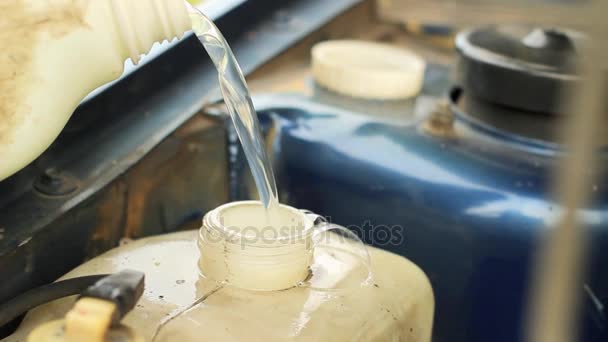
<point>89,320</point>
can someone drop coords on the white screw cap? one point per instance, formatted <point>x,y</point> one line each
<point>367,70</point>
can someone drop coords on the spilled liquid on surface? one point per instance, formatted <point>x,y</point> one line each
<point>238,100</point>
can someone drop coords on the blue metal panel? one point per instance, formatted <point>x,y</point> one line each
<point>467,210</point>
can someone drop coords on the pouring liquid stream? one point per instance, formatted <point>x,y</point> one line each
<point>238,100</point>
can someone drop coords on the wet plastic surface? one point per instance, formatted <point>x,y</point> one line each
<point>336,307</point>
<point>333,305</point>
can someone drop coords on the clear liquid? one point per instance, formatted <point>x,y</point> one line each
<point>237,98</point>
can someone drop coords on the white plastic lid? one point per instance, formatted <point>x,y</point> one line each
<point>367,69</point>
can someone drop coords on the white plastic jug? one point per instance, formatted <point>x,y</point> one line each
<point>56,52</point>
<point>235,280</point>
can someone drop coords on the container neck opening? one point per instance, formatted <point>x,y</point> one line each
<point>141,23</point>
<point>246,246</point>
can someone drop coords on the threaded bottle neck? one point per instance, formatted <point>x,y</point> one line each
<point>141,23</point>
<point>242,246</point>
